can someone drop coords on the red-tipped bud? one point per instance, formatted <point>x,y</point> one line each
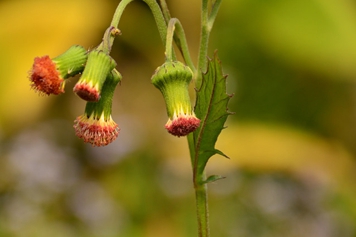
<point>96,125</point>
<point>98,67</point>
<point>48,75</point>
<point>172,79</point>
<point>45,77</point>
<point>182,124</point>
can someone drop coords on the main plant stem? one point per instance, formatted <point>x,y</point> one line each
<point>200,188</point>
<point>201,198</point>
<point>199,177</point>
<point>201,192</point>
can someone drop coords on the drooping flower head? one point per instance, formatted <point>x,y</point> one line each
<point>98,67</point>
<point>48,75</point>
<point>96,125</point>
<point>172,79</point>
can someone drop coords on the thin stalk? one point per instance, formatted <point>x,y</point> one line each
<point>165,10</point>
<point>169,39</point>
<point>118,12</point>
<point>160,21</point>
<point>174,26</point>
<point>179,37</point>
<point>214,12</point>
<point>204,41</point>
<point>182,44</point>
<point>191,145</point>
<point>113,31</point>
<point>158,16</point>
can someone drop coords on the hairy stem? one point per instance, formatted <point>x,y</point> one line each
<point>201,198</point>
<point>201,195</point>
<point>169,39</point>
<point>118,13</point>
<point>214,11</point>
<point>158,16</point>
<point>199,178</point>
<point>113,31</point>
<point>174,26</point>
<point>165,10</point>
<point>204,41</point>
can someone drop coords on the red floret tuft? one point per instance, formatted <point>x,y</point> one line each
<point>86,92</point>
<point>96,132</point>
<point>183,125</point>
<point>45,77</point>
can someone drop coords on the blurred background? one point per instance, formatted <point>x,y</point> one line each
<point>291,142</point>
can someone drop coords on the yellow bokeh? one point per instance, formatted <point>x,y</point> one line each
<point>37,28</point>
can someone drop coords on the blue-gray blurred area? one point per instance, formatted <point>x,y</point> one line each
<point>291,142</point>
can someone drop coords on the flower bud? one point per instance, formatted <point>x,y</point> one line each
<point>48,75</point>
<point>96,125</point>
<point>172,79</point>
<point>98,67</point>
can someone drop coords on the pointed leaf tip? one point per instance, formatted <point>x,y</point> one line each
<point>221,153</point>
<point>213,178</point>
<point>211,109</point>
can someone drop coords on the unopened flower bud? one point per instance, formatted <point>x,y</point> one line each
<point>96,125</point>
<point>98,67</point>
<point>48,75</point>
<point>172,79</point>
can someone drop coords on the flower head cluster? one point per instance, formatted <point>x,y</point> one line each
<point>172,79</point>
<point>96,85</point>
<point>96,125</point>
<point>48,75</point>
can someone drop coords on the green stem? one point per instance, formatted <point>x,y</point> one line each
<point>165,10</point>
<point>169,39</point>
<point>201,198</point>
<point>201,195</point>
<point>118,13</point>
<point>158,16</point>
<point>207,21</point>
<point>191,145</point>
<point>214,12</point>
<point>113,31</point>
<point>108,39</point>
<point>182,44</point>
<point>180,37</point>
<point>204,40</point>
<point>198,177</point>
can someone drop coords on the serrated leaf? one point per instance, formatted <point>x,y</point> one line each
<point>211,109</point>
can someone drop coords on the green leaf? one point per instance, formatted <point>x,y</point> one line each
<point>213,178</point>
<point>211,109</point>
